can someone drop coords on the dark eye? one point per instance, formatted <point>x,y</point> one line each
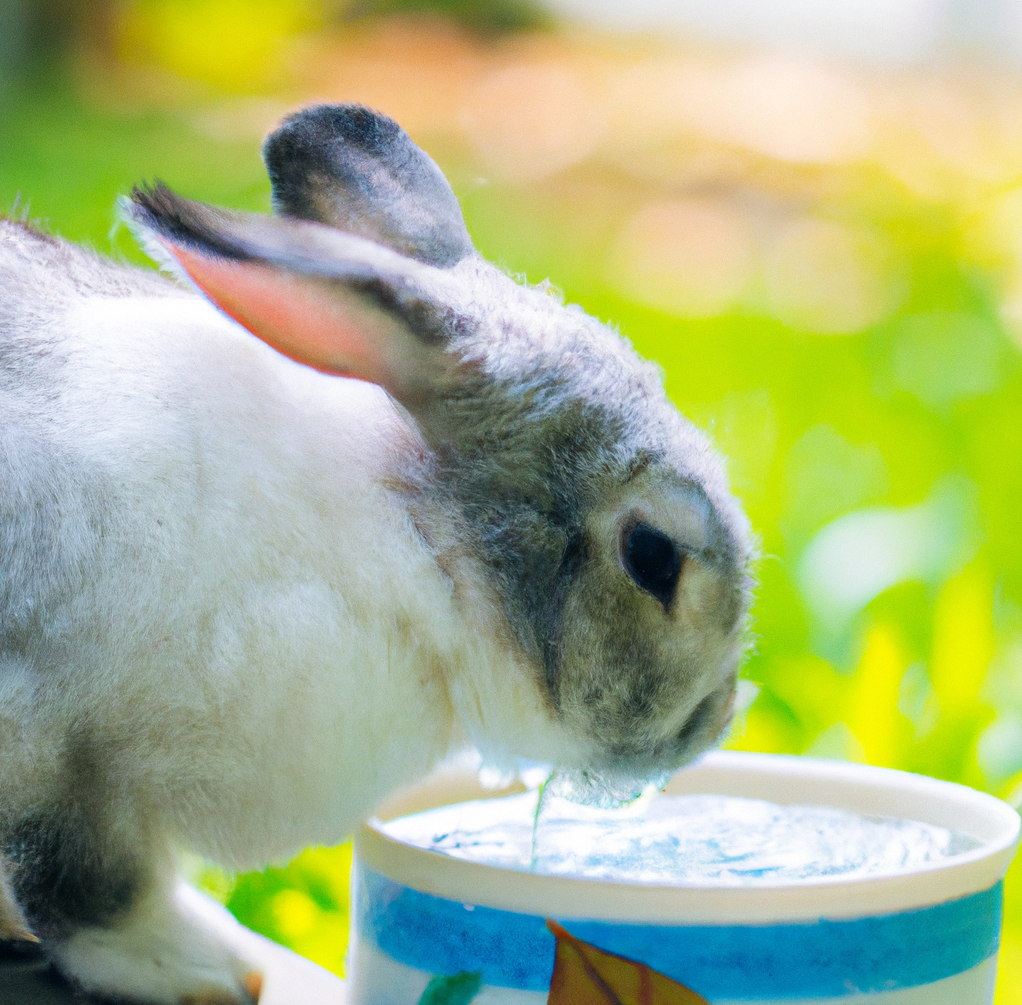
<point>652,560</point>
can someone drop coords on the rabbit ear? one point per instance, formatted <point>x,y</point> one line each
<point>354,169</point>
<point>332,301</point>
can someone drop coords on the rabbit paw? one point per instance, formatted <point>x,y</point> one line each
<point>162,953</point>
<point>253,983</point>
<point>13,927</point>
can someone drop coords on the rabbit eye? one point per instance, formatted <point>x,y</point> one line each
<point>652,561</point>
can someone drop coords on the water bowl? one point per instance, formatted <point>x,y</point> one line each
<point>432,929</point>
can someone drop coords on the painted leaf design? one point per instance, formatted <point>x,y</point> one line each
<point>585,975</point>
<point>458,989</point>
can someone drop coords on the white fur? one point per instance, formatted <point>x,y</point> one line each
<point>261,629</point>
<point>280,643</point>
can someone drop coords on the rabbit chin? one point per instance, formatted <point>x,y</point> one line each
<point>590,773</point>
<point>617,776</point>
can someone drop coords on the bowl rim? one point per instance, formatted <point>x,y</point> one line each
<point>860,788</point>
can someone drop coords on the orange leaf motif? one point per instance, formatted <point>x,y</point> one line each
<point>585,975</point>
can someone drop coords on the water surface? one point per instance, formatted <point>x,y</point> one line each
<point>695,839</point>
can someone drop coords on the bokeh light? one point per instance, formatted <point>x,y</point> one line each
<point>690,258</point>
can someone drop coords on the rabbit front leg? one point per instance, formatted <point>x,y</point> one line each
<point>161,951</point>
<point>102,895</point>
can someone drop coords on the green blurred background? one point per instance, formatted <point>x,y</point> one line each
<point>824,256</point>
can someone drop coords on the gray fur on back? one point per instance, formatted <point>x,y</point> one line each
<point>47,539</point>
<point>41,271</point>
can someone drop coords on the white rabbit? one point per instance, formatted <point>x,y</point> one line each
<point>242,598</point>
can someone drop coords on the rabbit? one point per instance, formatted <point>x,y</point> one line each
<point>251,585</point>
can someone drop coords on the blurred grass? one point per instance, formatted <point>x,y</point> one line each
<point>843,323</point>
<point>65,161</point>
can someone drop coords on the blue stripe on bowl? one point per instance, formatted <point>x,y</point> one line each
<point>808,960</point>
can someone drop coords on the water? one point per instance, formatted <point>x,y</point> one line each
<point>700,839</point>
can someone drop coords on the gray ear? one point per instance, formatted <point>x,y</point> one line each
<point>330,300</point>
<point>354,169</point>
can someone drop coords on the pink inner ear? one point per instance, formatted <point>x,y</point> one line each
<point>300,317</point>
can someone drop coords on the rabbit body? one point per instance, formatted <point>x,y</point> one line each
<point>215,567</point>
<point>241,600</point>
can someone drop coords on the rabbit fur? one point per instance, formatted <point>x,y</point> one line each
<point>244,596</point>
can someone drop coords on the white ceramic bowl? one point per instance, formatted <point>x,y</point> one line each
<point>927,936</point>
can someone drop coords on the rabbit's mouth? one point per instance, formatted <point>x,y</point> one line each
<point>598,788</point>
<point>626,771</point>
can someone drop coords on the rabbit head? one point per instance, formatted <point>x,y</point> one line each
<point>598,518</point>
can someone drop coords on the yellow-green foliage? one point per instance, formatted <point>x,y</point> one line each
<point>234,45</point>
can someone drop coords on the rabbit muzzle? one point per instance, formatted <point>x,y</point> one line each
<point>619,770</point>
